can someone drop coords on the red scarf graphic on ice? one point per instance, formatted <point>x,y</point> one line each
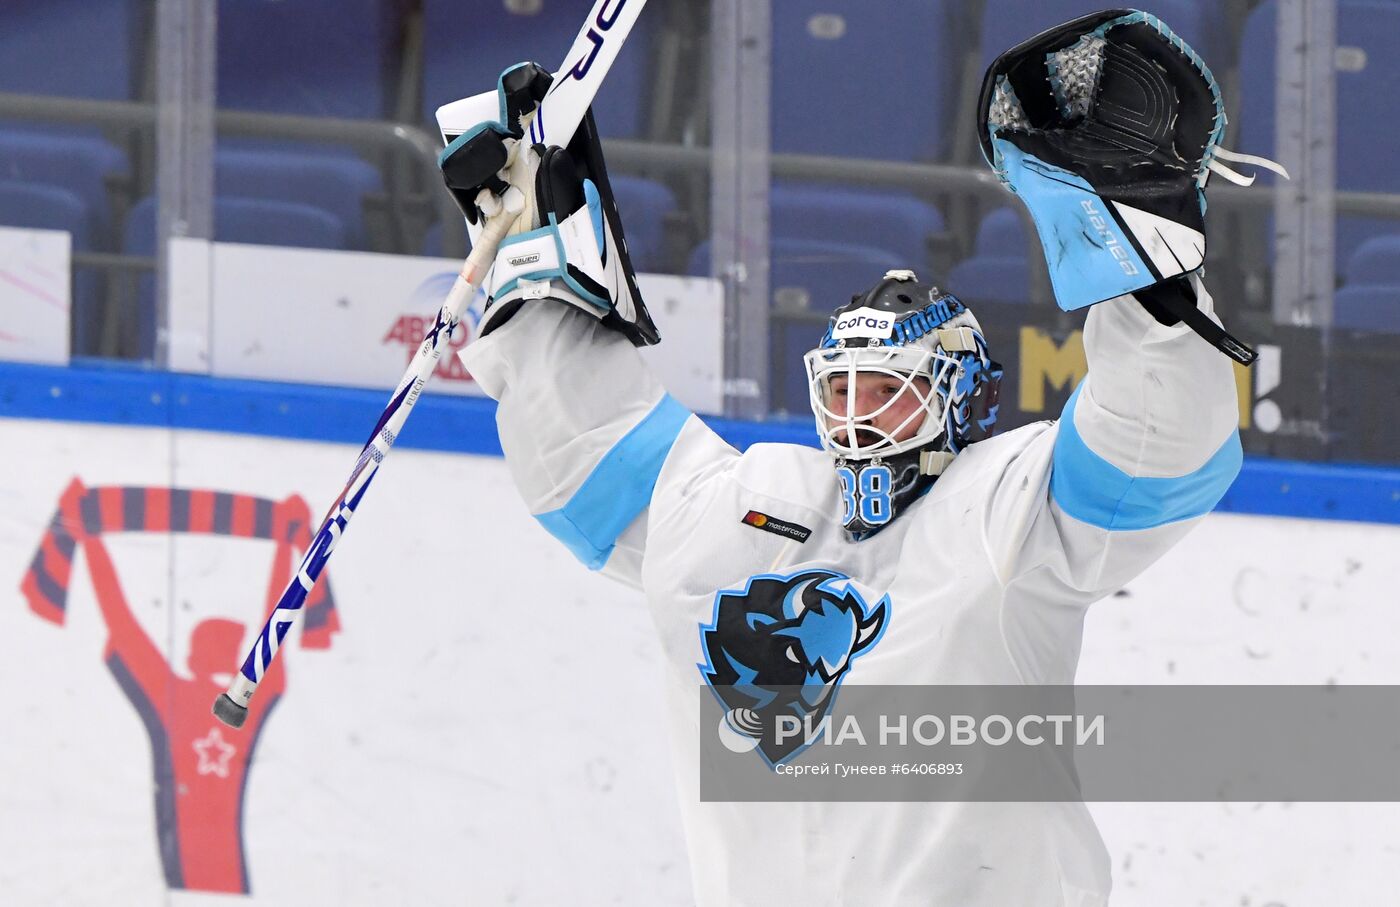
<point>201,767</point>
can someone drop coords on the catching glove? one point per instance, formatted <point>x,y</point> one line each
<point>1108,128</point>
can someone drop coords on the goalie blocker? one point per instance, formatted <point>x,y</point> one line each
<point>568,243</point>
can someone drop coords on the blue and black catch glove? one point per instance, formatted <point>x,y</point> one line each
<point>1108,127</point>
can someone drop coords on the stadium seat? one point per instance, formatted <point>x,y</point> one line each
<point>1370,300</point>
<point>331,182</point>
<point>868,80</point>
<point>1002,232</point>
<point>310,58</point>
<point>1368,308</point>
<point>277,223</point>
<point>315,58</point>
<point>820,276</point>
<point>36,206</point>
<point>814,275</point>
<point>257,221</point>
<point>40,207</point>
<point>466,48</point>
<point>895,222</point>
<point>1368,104</point>
<point>1006,23</point>
<point>1375,263</point>
<point>73,48</point>
<point>80,164</point>
<point>992,278</point>
<point>998,270</point>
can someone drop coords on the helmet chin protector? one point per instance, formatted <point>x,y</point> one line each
<point>934,392</point>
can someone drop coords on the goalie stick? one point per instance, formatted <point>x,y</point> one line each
<point>553,122</point>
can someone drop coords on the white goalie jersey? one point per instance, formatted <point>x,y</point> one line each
<point>985,580</point>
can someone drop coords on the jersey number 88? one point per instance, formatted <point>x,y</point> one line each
<point>868,495</point>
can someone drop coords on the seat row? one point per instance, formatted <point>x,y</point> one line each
<point>887,79</point>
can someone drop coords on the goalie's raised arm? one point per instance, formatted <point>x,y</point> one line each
<point>585,427</point>
<point>1107,128</point>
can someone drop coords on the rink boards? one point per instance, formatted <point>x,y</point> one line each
<point>435,749</point>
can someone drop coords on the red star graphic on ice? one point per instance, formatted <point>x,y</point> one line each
<point>214,754</point>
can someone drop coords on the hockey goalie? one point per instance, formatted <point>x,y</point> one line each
<point>978,553</point>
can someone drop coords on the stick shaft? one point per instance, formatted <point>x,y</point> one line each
<point>288,612</point>
<point>590,58</point>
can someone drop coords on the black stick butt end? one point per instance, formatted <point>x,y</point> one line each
<point>230,712</point>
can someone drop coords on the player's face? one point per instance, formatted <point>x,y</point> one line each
<point>902,415</point>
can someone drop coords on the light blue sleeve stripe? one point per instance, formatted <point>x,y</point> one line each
<point>1094,491</point>
<point>618,488</point>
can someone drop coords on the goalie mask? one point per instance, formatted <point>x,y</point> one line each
<point>901,382</point>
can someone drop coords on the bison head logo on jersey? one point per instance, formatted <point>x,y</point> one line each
<point>780,647</point>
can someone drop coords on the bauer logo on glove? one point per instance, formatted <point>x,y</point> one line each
<point>1108,127</point>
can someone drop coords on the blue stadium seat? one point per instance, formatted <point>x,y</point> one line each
<point>1006,23</point>
<point>236,220</point>
<point>824,275</point>
<point>73,48</point>
<point>326,58</point>
<point>1002,233</point>
<point>78,163</point>
<point>893,221</point>
<point>1365,308</point>
<point>998,270</point>
<point>858,79</point>
<point>991,278</point>
<point>277,223</point>
<point>40,207</point>
<point>331,182</point>
<point>311,58</point>
<point>1371,298</point>
<point>820,276</point>
<point>465,48</point>
<point>1375,263</point>
<point>1368,105</point>
<point>259,221</point>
